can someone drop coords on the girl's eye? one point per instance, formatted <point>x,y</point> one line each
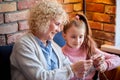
<point>73,37</point>
<point>81,36</point>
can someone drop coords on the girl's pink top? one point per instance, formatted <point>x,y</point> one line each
<point>75,55</point>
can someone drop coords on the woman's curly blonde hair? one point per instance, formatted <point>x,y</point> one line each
<point>43,12</point>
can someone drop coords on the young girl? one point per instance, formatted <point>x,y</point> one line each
<point>81,46</point>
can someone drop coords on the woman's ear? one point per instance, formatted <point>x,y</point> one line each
<point>61,27</point>
<point>63,34</point>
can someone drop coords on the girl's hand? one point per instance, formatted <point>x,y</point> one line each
<point>99,62</point>
<point>80,68</point>
<point>102,67</point>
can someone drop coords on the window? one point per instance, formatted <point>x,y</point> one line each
<point>117,34</point>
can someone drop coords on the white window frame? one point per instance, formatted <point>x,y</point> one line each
<point>117,28</point>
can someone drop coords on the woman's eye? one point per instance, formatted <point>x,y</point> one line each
<point>57,24</point>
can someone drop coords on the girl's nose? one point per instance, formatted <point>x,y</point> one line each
<point>78,40</point>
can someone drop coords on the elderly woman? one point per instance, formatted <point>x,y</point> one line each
<point>35,56</point>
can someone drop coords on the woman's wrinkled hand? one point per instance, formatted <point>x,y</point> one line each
<point>81,68</point>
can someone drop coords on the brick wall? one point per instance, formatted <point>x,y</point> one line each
<point>13,19</point>
<point>101,15</point>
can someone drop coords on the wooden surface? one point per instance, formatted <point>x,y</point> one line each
<point>111,49</point>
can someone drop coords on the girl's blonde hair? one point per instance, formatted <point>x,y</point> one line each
<point>89,44</point>
<point>43,12</point>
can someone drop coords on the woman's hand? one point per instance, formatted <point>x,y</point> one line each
<point>80,68</point>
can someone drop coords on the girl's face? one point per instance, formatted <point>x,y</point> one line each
<point>74,36</point>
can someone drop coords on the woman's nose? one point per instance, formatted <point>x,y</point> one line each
<point>58,29</point>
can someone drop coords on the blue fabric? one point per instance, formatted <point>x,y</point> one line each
<point>59,39</point>
<point>5,52</point>
<point>49,54</point>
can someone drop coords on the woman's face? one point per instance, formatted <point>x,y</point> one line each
<point>53,28</point>
<point>74,36</point>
